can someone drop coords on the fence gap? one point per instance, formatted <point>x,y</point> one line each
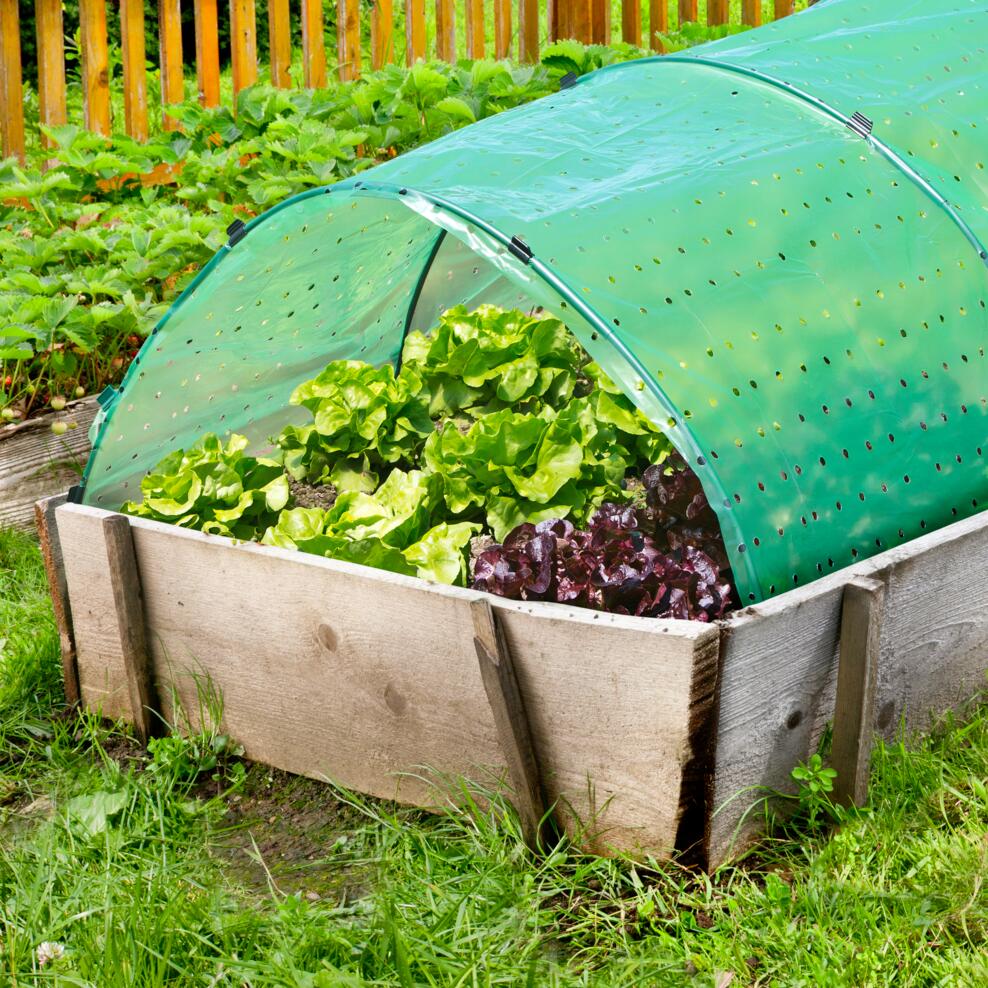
<point>313,45</point>
<point>170,56</point>
<point>414,31</point>
<point>51,64</point>
<point>348,39</point>
<point>243,44</point>
<point>95,65</point>
<point>445,31</point>
<point>279,43</point>
<point>134,57</point>
<point>474,25</point>
<point>207,52</point>
<point>631,22</point>
<point>382,34</point>
<point>502,28</point>
<point>658,23</point>
<point>528,31</point>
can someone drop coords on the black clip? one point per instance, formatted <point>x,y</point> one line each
<point>568,81</point>
<point>74,494</point>
<point>237,231</point>
<point>860,124</point>
<point>520,249</point>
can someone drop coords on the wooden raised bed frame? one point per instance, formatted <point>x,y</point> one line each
<point>644,731</point>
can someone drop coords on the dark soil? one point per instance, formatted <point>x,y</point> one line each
<point>312,495</point>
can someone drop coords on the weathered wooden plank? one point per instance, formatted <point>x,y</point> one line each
<point>857,678</point>
<point>279,43</point>
<point>51,552</point>
<point>414,31</point>
<point>502,28</point>
<point>313,45</point>
<point>348,38</point>
<point>95,65</point>
<point>783,8</point>
<point>170,57</point>
<point>243,44</point>
<point>333,670</point>
<point>580,19</point>
<point>658,23</point>
<point>751,12</point>
<point>779,664</point>
<point>497,672</point>
<point>528,31</point>
<point>631,22</point>
<point>473,12</point>
<point>134,57</point>
<point>51,64</point>
<point>382,34</point>
<point>718,12</point>
<point>207,52</point>
<point>36,463</point>
<point>600,16</point>
<point>688,11</point>
<point>125,585</point>
<point>556,18</point>
<point>446,30</point>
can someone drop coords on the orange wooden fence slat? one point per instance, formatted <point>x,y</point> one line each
<point>581,20</point>
<point>718,11</point>
<point>348,38</point>
<point>600,21</point>
<point>170,57</point>
<point>382,34</point>
<point>751,12</point>
<point>631,22</point>
<point>51,64</point>
<point>207,52</point>
<point>502,28</point>
<point>414,31</point>
<point>658,23</point>
<point>135,77</point>
<point>528,30</point>
<point>243,44</point>
<point>279,43</point>
<point>555,15</point>
<point>11,83</point>
<point>95,65</point>
<point>445,31</point>
<point>313,45</point>
<point>688,11</point>
<point>783,8</point>
<point>474,25</point>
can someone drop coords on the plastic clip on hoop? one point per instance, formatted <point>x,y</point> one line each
<point>236,231</point>
<point>520,249</point>
<point>860,124</point>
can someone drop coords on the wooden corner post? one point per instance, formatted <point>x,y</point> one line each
<point>514,734</point>
<point>857,677</point>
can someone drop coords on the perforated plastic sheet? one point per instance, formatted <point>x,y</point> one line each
<point>802,307</point>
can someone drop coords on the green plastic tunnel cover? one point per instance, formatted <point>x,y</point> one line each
<point>774,243</point>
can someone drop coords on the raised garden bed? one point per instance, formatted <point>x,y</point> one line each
<point>36,462</point>
<point>643,729</point>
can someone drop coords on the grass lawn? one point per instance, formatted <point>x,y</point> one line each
<point>186,866</point>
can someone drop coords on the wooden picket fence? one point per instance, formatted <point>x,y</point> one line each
<point>586,20</point>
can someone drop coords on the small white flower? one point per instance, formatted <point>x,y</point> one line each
<point>49,951</point>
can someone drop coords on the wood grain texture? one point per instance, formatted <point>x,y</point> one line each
<point>751,12</point>
<point>414,31</point>
<point>528,31</point>
<point>658,23</point>
<point>348,38</point>
<point>207,52</point>
<point>279,43</point>
<point>170,57</point>
<point>35,463</point>
<point>313,45</point>
<point>857,677</point>
<point>783,8</point>
<point>600,16</point>
<point>382,34</point>
<point>51,64</point>
<point>502,28</point>
<point>580,20</point>
<point>497,672</point>
<point>51,553</point>
<point>134,57</point>
<point>718,12</point>
<point>243,44</point>
<point>125,586</point>
<point>11,87</point>
<point>473,23</point>
<point>95,65</point>
<point>446,30</point>
<point>688,11</point>
<point>631,22</point>
<point>779,664</point>
<point>333,670</point>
